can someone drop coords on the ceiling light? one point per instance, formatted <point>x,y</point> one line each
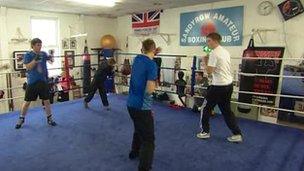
<point>106,3</point>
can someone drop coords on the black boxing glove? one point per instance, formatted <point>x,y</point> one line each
<point>37,57</point>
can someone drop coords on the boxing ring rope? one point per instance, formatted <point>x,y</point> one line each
<point>11,98</point>
<point>56,56</point>
<point>20,97</point>
<point>168,68</point>
<point>261,106</point>
<point>158,55</point>
<point>264,75</point>
<point>268,58</point>
<point>12,88</point>
<point>235,91</point>
<point>193,69</point>
<point>20,87</point>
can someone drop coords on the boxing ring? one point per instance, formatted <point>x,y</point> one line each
<point>96,139</point>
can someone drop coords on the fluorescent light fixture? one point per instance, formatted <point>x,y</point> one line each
<point>106,3</point>
<point>79,35</point>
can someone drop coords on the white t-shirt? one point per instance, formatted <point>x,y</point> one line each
<point>220,59</point>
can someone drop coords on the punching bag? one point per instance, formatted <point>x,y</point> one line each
<point>86,69</point>
<point>246,82</point>
<point>126,68</point>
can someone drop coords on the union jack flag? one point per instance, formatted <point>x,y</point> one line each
<point>146,19</point>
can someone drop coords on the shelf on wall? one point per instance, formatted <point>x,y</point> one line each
<point>165,36</point>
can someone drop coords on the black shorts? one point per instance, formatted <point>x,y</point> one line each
<point>40,89</point>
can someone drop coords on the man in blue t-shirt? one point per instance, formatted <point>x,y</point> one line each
<point>35,63</point>
<point>142,85</point>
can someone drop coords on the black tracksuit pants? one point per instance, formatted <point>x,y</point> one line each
<point>221,96</point>
<point>143,137</point>
<point>97,85</point>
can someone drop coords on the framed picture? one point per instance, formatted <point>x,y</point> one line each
<point>291,8</point>
<point>73,43</point>
<point>18,60</point>
<point>70,54</point>
<point>65,44</point>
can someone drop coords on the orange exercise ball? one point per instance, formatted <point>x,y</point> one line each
<point>108,42</point>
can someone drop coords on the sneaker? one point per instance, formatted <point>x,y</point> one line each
<point>203,135</point>
<point>86,105</point>
<point>235,139</point>
<point>133,155</point>
<point>20,122</point>
<point>108,108</point>
<point>50,121</point>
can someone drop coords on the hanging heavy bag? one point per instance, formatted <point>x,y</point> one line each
<point>246,82</point>
<point>126,68</point>
<point>86,69</point>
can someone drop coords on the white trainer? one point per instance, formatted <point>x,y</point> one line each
<point>203,135</point>
<point>235,139</point>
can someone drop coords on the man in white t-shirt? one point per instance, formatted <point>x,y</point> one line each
<point>220,91</point>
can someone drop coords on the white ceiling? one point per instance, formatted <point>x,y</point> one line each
<point>122,7</point>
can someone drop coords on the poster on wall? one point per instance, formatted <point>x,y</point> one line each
<point>18,60</point>
<point>65,44</point>
<point>73,43</point>
<point>146,23</point>
<point>195,26</point>
<point>70,55</point>
<point>260,84</point>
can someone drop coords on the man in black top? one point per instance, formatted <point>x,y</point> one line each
<point>104,69</point>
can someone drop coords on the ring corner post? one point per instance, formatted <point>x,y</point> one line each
<point>193,70</point>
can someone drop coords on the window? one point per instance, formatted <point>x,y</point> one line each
<point>47,30</point>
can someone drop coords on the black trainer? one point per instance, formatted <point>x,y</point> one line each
<point>20,122</point>
<point>133,155</point>
<point>86,105</point>
<point>50,121</point>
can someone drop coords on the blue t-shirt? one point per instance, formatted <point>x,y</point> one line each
<point>143,69</point>
<point>39,72</point>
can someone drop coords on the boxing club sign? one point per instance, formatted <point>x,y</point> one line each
<point>195,26</point>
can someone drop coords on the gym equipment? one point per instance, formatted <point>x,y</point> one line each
<point>86,69</point>
<point>108,42</point>
<point>126,68</point>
